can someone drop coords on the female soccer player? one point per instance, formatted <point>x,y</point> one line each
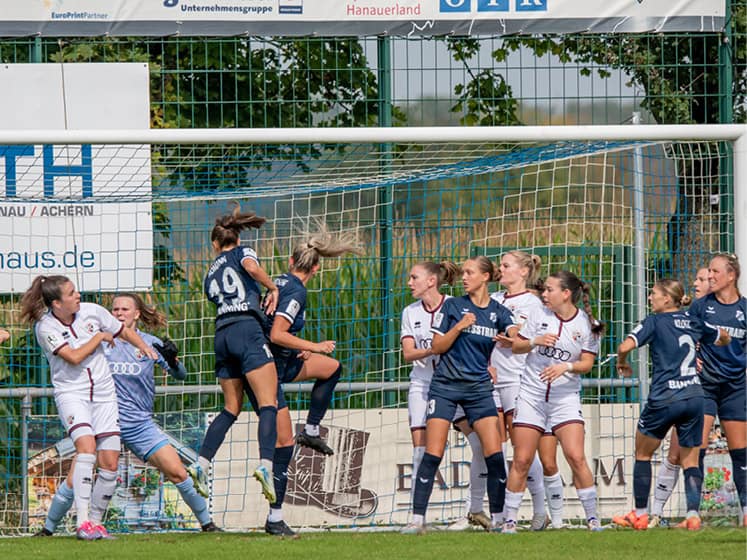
<point>723,373</point>
<point>675,398</point>
<point>669,470</point>
<point>241,347</point>
<point>298,359</point>
<point>519,277</point>
<point>562,341</point>
<point>70,333</point>
<point>134,379</point>
<point>464,333</point>
<point>416,340</point>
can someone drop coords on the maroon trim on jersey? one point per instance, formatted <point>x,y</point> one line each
<point>413,428</point>
<point>60,347</point>
<point>547,393</point>
<point>106,434</point>
<point>70,326</point>
<point>76,426</point>
<point>521,336</point>
<point>507,296</point>
<point>90,380</point>
<point>566,423</point>
<point>121,328</point>
<point>406,336</point>
<point>509,412</point>
<point>432,311</point>
<point>522,425</point>
<point>588,352</point>
<point>560,329</point>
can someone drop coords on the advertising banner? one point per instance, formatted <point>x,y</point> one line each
<point>354,17</point>
<point>83,211</point>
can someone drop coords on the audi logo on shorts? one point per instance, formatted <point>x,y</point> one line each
<point>124,368</point>
<point>554,353</point>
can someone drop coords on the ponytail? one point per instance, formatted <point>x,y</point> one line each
<point>447,272</point>
<point>39,297</point>
<point>485,265</point>
<point>322,243</point>
<point>228,227</point>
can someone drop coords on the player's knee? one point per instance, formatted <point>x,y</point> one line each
<point>521,464</point>
<point>576,460</point>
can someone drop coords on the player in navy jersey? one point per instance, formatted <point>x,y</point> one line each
<point>675,397</point>
<point>669,469</point>
<point>416,339</point>
<point>71,334</point>
<point>298,359</point>
<point>723,372</point>
<point>242,352</point>
<point>134,379</point>
<point>464,334</point>
<point>562,341</point>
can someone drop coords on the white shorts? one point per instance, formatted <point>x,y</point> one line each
<point>417,404</point>
<point>505,396</point>
<point>81,417</point>
<point>547,416</point>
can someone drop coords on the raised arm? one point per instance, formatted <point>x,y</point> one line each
<point>259,274</point>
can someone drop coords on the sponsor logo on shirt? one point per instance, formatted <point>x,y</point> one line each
<point>293,308</point>
<point>90,328</point>
<point>740,315</point>
<point>493,317</point>
<point>438,319</point>
<point>710,310</point>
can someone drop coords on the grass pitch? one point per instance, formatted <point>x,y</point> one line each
<point>721,544</point>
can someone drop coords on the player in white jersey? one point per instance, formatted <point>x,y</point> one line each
<point>520,278</point>
<point>416,337</point>
<point>562,341</point>
<point>71,334</point>
<point>669,470</point>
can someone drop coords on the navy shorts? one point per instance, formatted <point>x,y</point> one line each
<point>475,399</point>
<point>685,415</point>
<point>725,399</point>
<point>288,367</point>
<point>240,347</point>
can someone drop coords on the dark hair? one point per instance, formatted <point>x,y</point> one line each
<point>484,264</point>
<point>39,297</point>
<point>228,227</point>
<point>322,243</point>
<point>150,317</point>
<point>446,271</point>
<point>532,263</point>
<point>675,290</point>
<point>579,292</point>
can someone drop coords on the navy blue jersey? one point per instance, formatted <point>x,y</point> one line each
<point>291,306</point>
<point>723,363</point>
<point>469,356</point>
<point>231,288</point>
<point>672,338</point>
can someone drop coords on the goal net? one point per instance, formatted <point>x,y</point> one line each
<point>124,217</point>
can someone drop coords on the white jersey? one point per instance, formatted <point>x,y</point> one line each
<point>91,378</point>
<point>416,324</point>
<point>508,365</point>
<point>575,338</point>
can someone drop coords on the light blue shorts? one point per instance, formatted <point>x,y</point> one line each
<point>143,439</point>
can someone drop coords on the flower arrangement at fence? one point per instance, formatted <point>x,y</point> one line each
<point>145,483</point>
<point>718,490</point>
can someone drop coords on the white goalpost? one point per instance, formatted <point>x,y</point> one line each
<point>618,205</point>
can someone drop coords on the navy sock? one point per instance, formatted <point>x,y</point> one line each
<point>739,468</point>
<point>641,483</point>
<point>280,464</point>
<point>424,483</point>
<point>267,433</point>
<point>216,433</point>
<point>496,482</point>
<point>693,488</point>
<point>701,459</point>
<point>321,396</point>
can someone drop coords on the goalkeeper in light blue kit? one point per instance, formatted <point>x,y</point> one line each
<point>135,384</point>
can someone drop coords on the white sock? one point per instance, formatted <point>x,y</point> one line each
<point>204,463</point>
<point>266,463</point>
<point>554,495</point>
<point>312,430</point>
<point>82,484</point>
<point>275,515</point>
<point>588,498</point>
<point>513,503</point>
<point>666,480</point>
<point>103,490</point>
<point>536,486</point>
<point>417,458</point>
<point>641,511</point>
<point>418,519</point>
<point>497,519</point>
<point>478,475</point>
